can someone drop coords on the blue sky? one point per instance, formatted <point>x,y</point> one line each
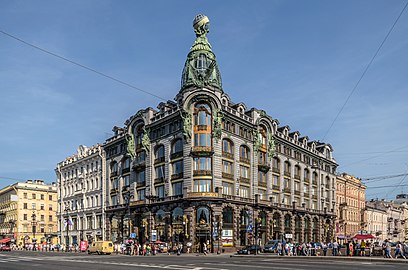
<point>298,60</point>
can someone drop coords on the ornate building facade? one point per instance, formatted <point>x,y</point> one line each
<point>206,169</point>
<point>350,199</point>
<point>80,196</point>
<point>28,212</point>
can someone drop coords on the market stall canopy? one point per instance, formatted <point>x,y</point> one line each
<point>5,240</point>
<point>363,236</point>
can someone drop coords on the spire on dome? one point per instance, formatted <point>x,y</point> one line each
<point>201,68</point>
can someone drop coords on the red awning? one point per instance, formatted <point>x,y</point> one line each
<point>5,240</point>
<point>363,236</point>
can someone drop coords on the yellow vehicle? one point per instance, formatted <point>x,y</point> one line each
<point>101,247</point>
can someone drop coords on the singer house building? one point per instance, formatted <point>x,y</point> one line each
<point>205,169</point>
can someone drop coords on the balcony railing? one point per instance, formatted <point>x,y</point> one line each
<point>227,155</point>
<point>275,170</point>
<point>297,176</point>
<point>286,174</point>
<point>262,184</point>
<point>141,184</point>
<point>176,155</point>
<point>286,190</point>
<point>306,194</point>
<point>227,175</point>
<point>297,192</point>
<point>139,166</point>
<point>114,173</point>
<point>201,127</point>
<point>159,180</point>
<point>314,182</point>
<point>263,167</point>
<point>275,187</point>
<point>202,194</point>
<point>306,180</point>
<point>314,196</point>
<point>203,150</point>
<point>177,176</point>
<point>159,160</point>
<point>244,180</point>
<point>202,173</point>
<point>114,190</point>
<point>125,170</point>
<point>244,160</point>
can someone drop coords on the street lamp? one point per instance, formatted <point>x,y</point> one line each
<point>34,223</point>
<point>67,224</point>
<point>127,197</point>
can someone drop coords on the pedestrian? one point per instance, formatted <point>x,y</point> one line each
<point>351,249</point>
<point>399,250</point>
<point>324,246</point>
<point>335,248</point>
<point>387,249</point>
<point>363,247</point>
<point>205,249</point>
<point>189,245</point>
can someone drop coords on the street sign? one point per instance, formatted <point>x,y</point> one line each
<point>133,235</point>
<point>250,235</point>
<point>154,235</point>
<point>288,235</point>
<point>249,228</point>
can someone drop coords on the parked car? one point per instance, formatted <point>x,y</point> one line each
<point>5,248</point>
<point>250,249</point>
<point>271,246</point>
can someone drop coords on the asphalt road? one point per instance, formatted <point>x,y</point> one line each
<point>22,260</point>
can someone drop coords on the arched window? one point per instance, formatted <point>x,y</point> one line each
<point>227,216</point>
<point>177,216</point>
<point>159,153</point>
<point>202,125</point>
<point>244,154</point>
<point>306,175</point>
<point>203,215</point>
<point>177,146</point>
<point>227,148</point>
<point>159,219</point>
<point>297,172</point>
<point>287,168</point>
<point>314,178</point>
<point>139,133</point>
<point>276,165</point>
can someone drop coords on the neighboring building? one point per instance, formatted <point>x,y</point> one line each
<point>394,230</point>
<point>203,163</point>
<point>377,222</point>
<point>81,193</point>
<point>350,210</point>
<point>402,201</point>
<point>28,212</point>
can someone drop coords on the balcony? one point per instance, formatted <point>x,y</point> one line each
<point>262,184</point>
<point>228,175</point>
<point>139,166</point>
<point>297,192</point>
<point>202,150</point>
<point>177,176</point>
<point>114,190</point>
<point>202,194</point>
<point>176,155</point>
<point>141,184</point>
<point>314,182</point>
<point>228,155</point>
<point>306,194</point>
<point>114,173</point>
<point>264,167</point>
<point>314,197</point>
<point>307,180</point>
<point>124,188</point>
<point>244,180</point>
<point>275,170</point>
<point>125,170</point>
<point>297,176</point>
<point>244,160</point>
<point>275,187</point>
<point>159,160</point>
<point>202,173</point>
<point>286,174</point>
<point>286,190</point>
<point>159,180</point>
<point>202,127</point>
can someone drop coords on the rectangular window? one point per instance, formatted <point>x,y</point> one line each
<point>227,188</point>
<point>42,218</point>
<point>159,172</point>
<point>244,172</point>
<point>25,195</point>
<point>50,197</point>
<point>177,188</point>
<point>34,196</point>
<point>140,177</point>
<point>141,193</point>
<point>178,167</point>
<point>33,206</point>
<point>262,194</point>
<point>42,207</point>
<point>50,218</point>
<point>160,191</point>
<point>275,180</point>
<point>126,180</point>
<point>25,206</point>
<point>42,196</point>
<point>261,177</point>
<point>202,185</point>
<point>227,167</point>
<point>202,163</point>
<point>244,191</point>
<point>25,217</point>
<point>114,200</point>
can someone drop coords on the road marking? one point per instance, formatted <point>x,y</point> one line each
<point>256,266</point>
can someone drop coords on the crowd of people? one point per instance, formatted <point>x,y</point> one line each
<point>351,248</point>
<point>134,248</point>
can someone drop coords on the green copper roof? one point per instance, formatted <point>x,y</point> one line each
<point>201,68</point>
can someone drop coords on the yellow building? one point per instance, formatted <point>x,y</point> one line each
<point>350,206</point>
<point>28,212</point>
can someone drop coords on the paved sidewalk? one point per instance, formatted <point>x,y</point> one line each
<point>331,258</point>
